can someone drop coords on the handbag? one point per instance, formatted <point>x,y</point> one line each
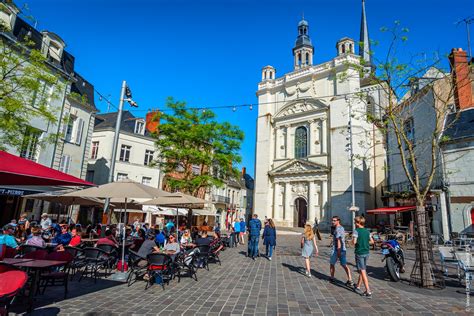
<point>318,234</point>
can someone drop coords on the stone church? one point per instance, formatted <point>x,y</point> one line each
<point>303,166</point>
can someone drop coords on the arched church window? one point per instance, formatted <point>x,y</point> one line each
<point>301,142</point>
<point>343,48</point>
<point>299,58</point>
<point>307,58</point>
<point>350,48</point>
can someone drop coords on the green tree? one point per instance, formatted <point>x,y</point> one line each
<point>195,150</point>
<point>24,95</point>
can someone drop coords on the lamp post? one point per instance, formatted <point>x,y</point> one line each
<point>353,209</point>
<point>124,92</point>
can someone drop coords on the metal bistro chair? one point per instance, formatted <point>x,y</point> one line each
<point>93,262</point>
<point>160,265</point>
<point>57,277</point>
<point>110,257</point>
<point>447,257</point>
<point>465,268</point>
<point>78,261</point>
<point>136,267</point>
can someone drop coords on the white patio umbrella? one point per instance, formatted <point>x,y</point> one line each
<point>125,191</point>
<point>59,197</point>
<point>177,200</point>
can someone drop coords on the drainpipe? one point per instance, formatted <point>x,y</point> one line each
<point>59,126</point>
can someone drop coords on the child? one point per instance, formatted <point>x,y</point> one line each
<point>362,240</point>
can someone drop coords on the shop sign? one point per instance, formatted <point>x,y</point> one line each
<point>14,192</point>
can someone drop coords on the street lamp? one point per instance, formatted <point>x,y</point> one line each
<point>353,209</point>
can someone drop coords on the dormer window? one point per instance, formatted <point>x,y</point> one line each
<point>140,127</point>
<point>53,46</point>
<point>55,51</point>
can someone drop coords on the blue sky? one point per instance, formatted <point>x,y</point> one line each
<point>210,53</point>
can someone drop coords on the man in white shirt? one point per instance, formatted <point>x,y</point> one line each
<point>45,221</point>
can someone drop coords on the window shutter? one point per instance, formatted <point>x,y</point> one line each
<point>65,123</point>
<point>68,164</point>
<point>80,126</point>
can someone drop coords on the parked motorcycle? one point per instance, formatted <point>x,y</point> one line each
<point>394,259</point>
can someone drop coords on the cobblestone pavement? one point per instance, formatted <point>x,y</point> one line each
<point>242,286</point>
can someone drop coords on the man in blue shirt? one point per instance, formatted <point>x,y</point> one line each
<point>254,233</point>
<point>339,251</point>
<point>243,228</point>
<point>7,237</point>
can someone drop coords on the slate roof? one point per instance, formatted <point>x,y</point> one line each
<point>83,87</point>
<point>21,29</point>
<point>460,125</point>
<point>108,121</point>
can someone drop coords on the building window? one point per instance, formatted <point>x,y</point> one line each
<point>125,153</point>
<point>148,157</point>
<point>90,175</point>
<point>122,176</point>
<point>74,129</point>
<point>409,130</point>
<point>180,167</point>
<point>139,127</point>
<point>146,180</point>
<point>29,146</point>
<point>301,142</point>
<point>65,163</point>
<point>95,150</point>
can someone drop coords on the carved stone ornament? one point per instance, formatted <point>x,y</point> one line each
<point>296,167</point>
<point>300,188</point>
<point>299,108</point>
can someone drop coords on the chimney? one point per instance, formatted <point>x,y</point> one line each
<point>152,121</point>
<point>244,171</point>
<point>461,77</point>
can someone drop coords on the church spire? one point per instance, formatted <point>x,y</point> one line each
<point>303,50</point>
<point>364,45</point>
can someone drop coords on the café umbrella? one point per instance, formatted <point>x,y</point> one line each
<point>125,191</point>
<point>177,200</point>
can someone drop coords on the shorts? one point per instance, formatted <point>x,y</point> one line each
<point>334,258</point>
<point>242,233</point>
<point>361,261</point>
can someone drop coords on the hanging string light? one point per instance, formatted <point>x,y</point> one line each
<point>234,109</point>
<point>250,107</point>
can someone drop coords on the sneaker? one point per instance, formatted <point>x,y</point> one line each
<point>358,290</point>
<point>332,280</point>
<point>308,274</point>
<point>270,258</point>
<point>367,295</point>
<point>350,283</point>
<point>253,258</point>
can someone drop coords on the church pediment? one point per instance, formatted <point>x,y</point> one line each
<point>301,106</point>
<point>298,166</point>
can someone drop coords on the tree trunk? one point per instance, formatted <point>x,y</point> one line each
<point>423,247</point>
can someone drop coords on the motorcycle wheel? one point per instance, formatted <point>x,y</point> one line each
<point>393,269</point>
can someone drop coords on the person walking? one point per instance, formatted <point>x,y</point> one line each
<point>269,238</point>
<point>308,247</point>
<point>362,240</point>
<point>339,251</point>
<point>243,229</point>
<point>254,233</point>
<point>236,225</point>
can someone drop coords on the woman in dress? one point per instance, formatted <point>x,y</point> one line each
<point>269,238</point>
<point>308,245</point>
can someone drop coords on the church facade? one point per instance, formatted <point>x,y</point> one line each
<point>303,168</point>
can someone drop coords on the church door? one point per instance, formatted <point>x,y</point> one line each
<point>301,212</point>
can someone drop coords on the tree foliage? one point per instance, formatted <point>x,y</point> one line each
<point>195,150</point>
<point>24,94</point>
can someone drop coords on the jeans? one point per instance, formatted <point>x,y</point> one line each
<point>253,246</point>
<point>268,250</point>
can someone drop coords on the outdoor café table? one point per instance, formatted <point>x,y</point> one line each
<point>36,266</point>
<point>13,261</point>
<point>466,264</point>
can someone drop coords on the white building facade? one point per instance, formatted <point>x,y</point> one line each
<point>302,169</point>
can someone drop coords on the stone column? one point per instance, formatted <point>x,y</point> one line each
<point>288,215</point>
<point>277,211</point>
<point>278,142</point>
<point>324,197</point>
<point>311,201</point>
<point>290,147</point>
<point>324,136</point>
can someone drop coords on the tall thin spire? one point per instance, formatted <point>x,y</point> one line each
<point>364,46</point>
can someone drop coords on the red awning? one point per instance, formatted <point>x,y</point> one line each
<point>391,210</point>
<point>19,171</point>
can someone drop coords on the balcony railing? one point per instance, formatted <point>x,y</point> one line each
<point>220,199</point>
<point>407,188</point>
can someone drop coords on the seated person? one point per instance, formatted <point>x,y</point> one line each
<point>7,237</point>
<point>216,244</point>
<point>36,240</point>
<point>172,247</point>
<point>186,240</point>
<point>108,239</point>
<point>75,238</point>
<point>203,240</point>
<point>160,238</point>
<point>64,237</point>
<point>148,246</point>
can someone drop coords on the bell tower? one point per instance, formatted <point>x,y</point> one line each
<point>303,50</point>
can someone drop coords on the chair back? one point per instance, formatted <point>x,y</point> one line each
<point>26,249</point>
<point>73,251</point>
<point>159,260</point>
<point>10,252</point>
<point>60,256</point>
<point>11,282</point>
<point>36,255</point>
<point>107,248</point>
<point>92,253</point>
<point>204,250</point>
